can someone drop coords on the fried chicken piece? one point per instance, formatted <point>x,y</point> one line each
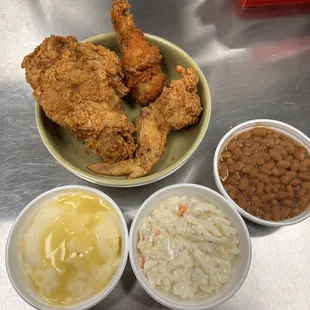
<point>79,86</point>
<point>177,107</point>
<point>141,60</point>
<point>152,135</point>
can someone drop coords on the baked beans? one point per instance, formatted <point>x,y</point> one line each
<point>266,173</point>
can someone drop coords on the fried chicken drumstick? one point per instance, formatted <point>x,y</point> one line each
<point>79,86</point>
<point>141,60</point>
<point>177,107</point>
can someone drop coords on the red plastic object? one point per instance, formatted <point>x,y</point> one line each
<point>252,3</point>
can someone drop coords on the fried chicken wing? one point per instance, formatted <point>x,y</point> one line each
<point>177,107</point>
<point>79,86</point>
<point>141,60</point>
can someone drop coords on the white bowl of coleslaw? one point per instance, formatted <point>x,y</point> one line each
<point>189,248</point>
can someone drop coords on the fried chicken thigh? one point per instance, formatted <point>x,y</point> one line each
<point>79,86</point>
<point>177,107</point>
<point>141,60</point>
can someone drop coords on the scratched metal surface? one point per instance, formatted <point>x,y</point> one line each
<point>257,65</point>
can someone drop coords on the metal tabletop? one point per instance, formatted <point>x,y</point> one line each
<point>257,66</point>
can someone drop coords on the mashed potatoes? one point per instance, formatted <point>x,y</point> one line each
<point>72,248</point>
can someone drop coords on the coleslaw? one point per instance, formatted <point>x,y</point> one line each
<point>187,247</point>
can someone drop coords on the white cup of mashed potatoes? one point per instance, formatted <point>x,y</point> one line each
<point>94,233</point>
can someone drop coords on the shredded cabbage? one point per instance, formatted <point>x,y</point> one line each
<point>187,247</point>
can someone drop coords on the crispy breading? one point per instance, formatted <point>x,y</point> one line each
<point>141,60</point>
<point>79,86</point>
<point>177,107</point>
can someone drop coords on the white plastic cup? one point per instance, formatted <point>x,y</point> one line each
<point>241,264</point>
<point>280,127</point>
<point>13,257</point>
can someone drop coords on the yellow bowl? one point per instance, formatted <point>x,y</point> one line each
<point>180,145</point>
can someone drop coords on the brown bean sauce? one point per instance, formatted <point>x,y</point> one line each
<point>266,173</point>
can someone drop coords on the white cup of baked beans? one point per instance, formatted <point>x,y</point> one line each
<point>263,168</point>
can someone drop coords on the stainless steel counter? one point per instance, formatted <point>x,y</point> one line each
<point>257,66</point>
